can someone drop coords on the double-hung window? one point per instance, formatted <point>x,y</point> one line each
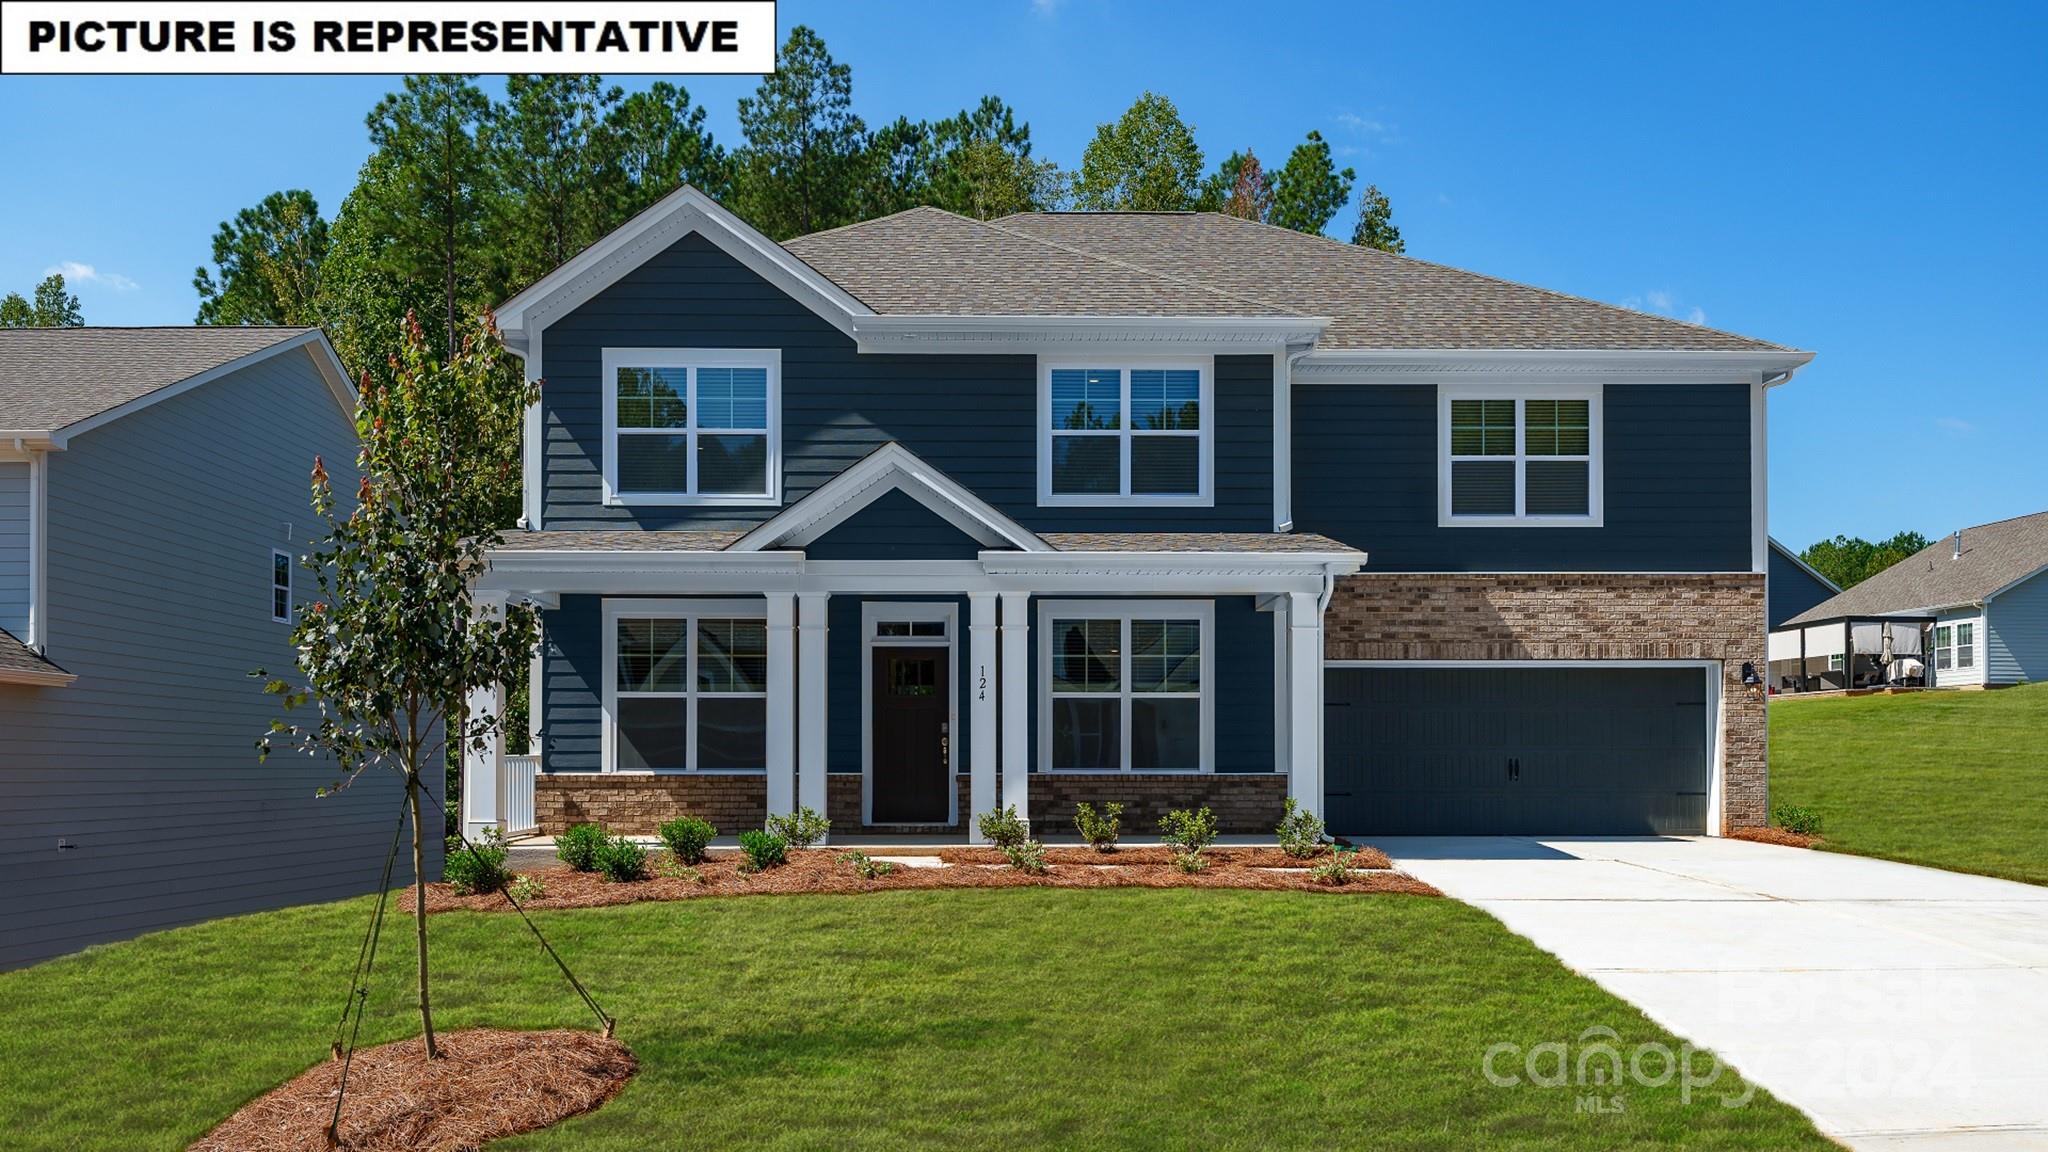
<point>687,686</point>
<point>280,586</point>
<point>1135,434</point>
<point>1955,646</point>
<point>1529,456</point>
<point>1127,686</point>
<point>692,425</point>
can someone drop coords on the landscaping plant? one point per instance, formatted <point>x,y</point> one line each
<point>527,887</point>
<point>478,867</point>
<point>670,868</point>
<point>1188,833</point>
<point>763,850</point>
<point>1335,870</point>
<point>1026,856</point>
<point>687,837</point>
<point>1002,827</point>
<point>578,847</point>
<point>801,828</point>
<point>622,861</point>
<point>868,867</point>
<point>1098,829</point>
<point>1796,818</point>
<point>1300,831</point>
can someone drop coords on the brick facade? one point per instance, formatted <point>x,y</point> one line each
<point>1243,803</point>
<point>637,804</point>
<point>1583,616</point>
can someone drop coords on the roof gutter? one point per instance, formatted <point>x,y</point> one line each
<point>31,441</point>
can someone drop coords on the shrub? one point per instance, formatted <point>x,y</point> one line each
<point>1189,832</point>
<point>1335,870</point>
<point>687,838</point>
<point>868,867</point>
<point>1099,830</point>
<point>1300,831</point>
<point>670,868</point>
<point>801,828</point>
<point>1796,818</point>
<point>527,887</point>
<point>578,846</point>
<point>1026,856</point>
<point>1189,861</point>
<point>621,860</point>
<point>763,849</point>
<point>1002,827</point>
<point>478,867</point>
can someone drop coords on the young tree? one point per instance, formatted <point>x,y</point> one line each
<point>52,307</point>
<point>546,145</point>
<point>1850,560</point>
<point>389,647</point>
<point>1238,188</point>
<point>655,142</point>
<point>268,259</point>
<point>1376,223</point>
<point>799,170</point>
<point>1309,189</point>
<point>1144,161</point>
<point>983,166</point>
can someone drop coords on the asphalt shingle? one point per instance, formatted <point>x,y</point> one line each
<point>51,378</point>
<point>1994,555</point>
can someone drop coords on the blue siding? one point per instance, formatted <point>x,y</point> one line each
<point>2016,634</point>
<point>1677,484</point>
<point>894,527</point>
<point>973,417</point>
<point>1793,589</point>
<point>572,652</point>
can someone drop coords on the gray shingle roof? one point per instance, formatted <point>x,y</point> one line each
<point>630,541</point>
<point>1994,555</point>
<point>1301,542</point>
<point>51,378</point>
<point>18,657</point>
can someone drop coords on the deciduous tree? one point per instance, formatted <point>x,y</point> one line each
<point>266,263</point>
<point>1850,560</point>
<point>53,307</point>
<point>1144,161</point>
<point>1375,228</point>
<point>1238,188</point>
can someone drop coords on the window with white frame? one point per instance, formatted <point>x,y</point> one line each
<point>280,586</point>
<point>692,426</point>
<point>1834,662</point>
<point>1138,434</point>
<point>689,691</point>
<point>1127,686</point>
<point>1955,646</point>
<point>1527,456</point>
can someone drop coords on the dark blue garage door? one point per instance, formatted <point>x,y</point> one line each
<point>1527,751</point>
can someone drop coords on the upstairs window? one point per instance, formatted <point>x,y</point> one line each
<point>692,426</point>
<point>1519,457</point>
<point>1139,435</point>
<point>280,586</point>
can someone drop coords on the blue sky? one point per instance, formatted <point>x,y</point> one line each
<point>1866,181</point>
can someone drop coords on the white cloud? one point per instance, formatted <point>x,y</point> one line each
<point>1696,315</point>
<point>1353,122</point>
<point>1046,8</point>
<point>1658,299</point>
<point>76,273</point>
<point>1954,424</point>
<point>1665,302</point>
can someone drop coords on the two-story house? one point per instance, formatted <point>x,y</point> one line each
<point>918,517</point>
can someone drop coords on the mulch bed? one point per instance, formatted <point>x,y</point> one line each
<point>488,1083</point>
<point>820,870</point>
<point>1365,857</point>
<point>1781,836</point>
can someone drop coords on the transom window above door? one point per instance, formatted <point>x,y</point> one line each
<point>1519,456</point>
<point>1136,434</point>
<point>692,425</point>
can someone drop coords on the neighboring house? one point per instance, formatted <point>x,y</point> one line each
<point>153,501</point>
<point>914,518</point>
<point>1795,586</point>
<point>1968,610</point>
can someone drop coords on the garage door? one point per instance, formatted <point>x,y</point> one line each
<point>1545,751</point>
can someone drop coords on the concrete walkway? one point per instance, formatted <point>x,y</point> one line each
<point>1902,1008</point>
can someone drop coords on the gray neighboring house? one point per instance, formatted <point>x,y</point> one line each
<point>1975,603</point>
<point>153,502</point>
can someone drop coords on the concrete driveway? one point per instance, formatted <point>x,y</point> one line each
<point>1900,1007</point>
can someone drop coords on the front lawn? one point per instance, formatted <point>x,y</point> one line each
<point>1948,779</point>
<point>949,1019</point>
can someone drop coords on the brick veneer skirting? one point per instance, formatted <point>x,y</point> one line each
<point>1585,616</point>
<point>637,804</point>
<point>1248,803</point>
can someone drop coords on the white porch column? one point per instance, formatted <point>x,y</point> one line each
<point>982,679</point>
<point>781,703</point>
<point>483,769</point>
<point>811,634</point>
<point>1016,697</point>
<point>1305,700</point>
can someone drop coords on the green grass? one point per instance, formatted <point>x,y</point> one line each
<point>1202,1019</point>
<point>1948,779</point>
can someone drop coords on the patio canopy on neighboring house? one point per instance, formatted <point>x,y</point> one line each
<point>1851,652</point>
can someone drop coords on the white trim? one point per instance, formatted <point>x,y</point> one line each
<point>314,341</point>
<point>1283,441</point>
<point>1125,611</point>
<point>1759,486</point>
<point>1204,435</point>
<point>873,612</point>
<point>691,360</point>
<point>290,603</point>
<point>813,663</point>
<point>38,638</point>
<point>1440,365</point>
<point>1069,335</point>
<point>1015,698</point>
<point>642,608</point>
<point>983,686</point>
<point>892,467</point>
<point>1521,392</point>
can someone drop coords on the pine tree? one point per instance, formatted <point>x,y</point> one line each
<point>801,166</point>
<point>1376,223</point>
<point>268,261</point>
<point>1309,190</point>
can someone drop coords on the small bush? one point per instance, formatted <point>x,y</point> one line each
<point>687,838</point>
<point>479,867</point>
<point>764,849</point>
<point>1189,832</point>
<point>670,868</point>
<point>1002,827</point>
<point>1099,830</point>
<point>868,867</point>
<point>1190,861</point>
<point>1027,856</point>
<point>801,828</point>
<point>1335,870</point>
<point>578,846</point>
<point>1300,831</point>
<point>1797,818</point>
<point>621,861</point>
<point>527,887</point>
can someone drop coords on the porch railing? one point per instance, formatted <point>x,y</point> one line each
<point>519,774</point>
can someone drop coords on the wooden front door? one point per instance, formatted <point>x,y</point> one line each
<point>912,777</point>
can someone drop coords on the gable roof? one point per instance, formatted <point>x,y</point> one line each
<point>1995,557</point>
<point>52,380</point>
<point>1802,565</point>
<point>891,467</point>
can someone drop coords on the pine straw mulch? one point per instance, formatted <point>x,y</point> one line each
<point>1780,836</point>
<point>489,1083</point>
<point>820,870</point>
<point>1365,857</point>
